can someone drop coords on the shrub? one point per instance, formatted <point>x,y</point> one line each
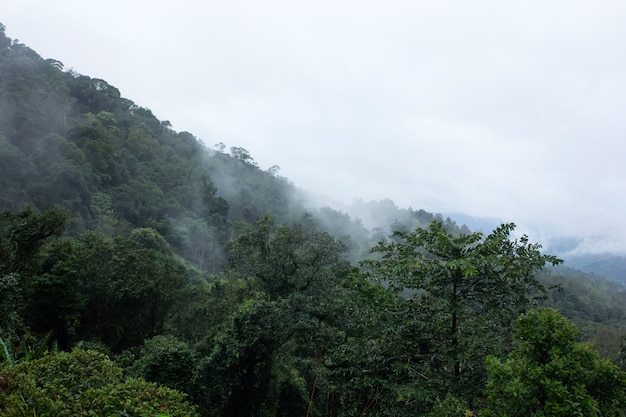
<point>83,383</point>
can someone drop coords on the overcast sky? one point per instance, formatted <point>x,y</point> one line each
<point>514,110</point>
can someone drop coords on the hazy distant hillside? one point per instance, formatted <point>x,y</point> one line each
<point>75,142</point>
<point>195,269</point>
<point>604,265</point>
<point>477,224</point>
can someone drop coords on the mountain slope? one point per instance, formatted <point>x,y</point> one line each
<point>73,141</point>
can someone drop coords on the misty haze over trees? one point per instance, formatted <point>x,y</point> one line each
<point>143,273</point>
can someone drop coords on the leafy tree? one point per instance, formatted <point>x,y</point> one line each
<point>83,383</point>
<point>359,375</point>
<point>594,304</point>
<point>55,297</point>
<point>15,170</point>
<point>242,155</point>
<point>166,361</point>
<point>549,374</point>
<point>23,235</point>
<point>266,353</point>
<point>450,407</point>
<point>5,42</point>
<point>132,284</point>
<point>116,291</point>
<point>460,294</point>
<point>11,305</point>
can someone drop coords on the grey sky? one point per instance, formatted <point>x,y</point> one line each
<point>505,109</point>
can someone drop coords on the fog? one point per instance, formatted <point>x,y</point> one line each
<point>512,111</point>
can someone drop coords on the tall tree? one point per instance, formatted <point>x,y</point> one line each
<point>268,349</point>
<point>116,291</point>
<point>23,234</point>
<point>549,374</point>
<point>461,294</point>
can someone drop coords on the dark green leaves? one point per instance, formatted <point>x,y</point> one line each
<point>549,373</point>
<point>465,290</point>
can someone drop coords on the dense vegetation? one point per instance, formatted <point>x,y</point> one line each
<point>144,274</point>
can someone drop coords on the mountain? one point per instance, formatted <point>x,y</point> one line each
<point>605,265</point>
<point>193,268</point>
<point>75,142</point>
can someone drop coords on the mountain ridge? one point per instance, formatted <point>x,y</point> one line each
<point>75,141</point>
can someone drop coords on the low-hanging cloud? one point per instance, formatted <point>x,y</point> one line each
<point>497,109</point>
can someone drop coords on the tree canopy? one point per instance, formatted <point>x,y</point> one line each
<point>549,374</point>
<point>142,273</point>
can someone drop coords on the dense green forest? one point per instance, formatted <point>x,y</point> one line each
<point>143,273</point>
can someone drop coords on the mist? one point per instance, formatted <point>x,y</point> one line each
<point>495,110</point>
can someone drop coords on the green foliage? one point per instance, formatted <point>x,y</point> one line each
<point>283,326</point>
<point>23,233</point>
<point>285,261</point>
<point>450,407</point>
<point>5,354</point>
<point>595,305</point>
<point>118,291</point>
<point>10,305</point>
<point>458,296</point>
<point>83,383</point>
<point>27,350</point>
<point>621,359</point>
<point>126,288</point>
<point>360,375</point>
<point>549,374</point>
<point>23,237</point>
<point>268,350</point>
<point>166,361</point>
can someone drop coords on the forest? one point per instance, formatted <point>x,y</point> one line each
<point>143,273</point>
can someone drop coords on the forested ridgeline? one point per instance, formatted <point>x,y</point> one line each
<point>74,142</point>
<point>144,274</point>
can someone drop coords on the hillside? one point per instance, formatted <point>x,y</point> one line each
<point>73,141</point>
<point>192,267</point>
<point>602,265</point>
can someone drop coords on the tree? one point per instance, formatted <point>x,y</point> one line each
<point>132,285</point>
<point>83,383</point>
<point>23,235</point>
<point>166,361</point>
<point>359,375</point>
<point>460,294</point>
<point>549,374</point>
<point>5,41</point>
<point>266,354</point>
<point>116,291</point>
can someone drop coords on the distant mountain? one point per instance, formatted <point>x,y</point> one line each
<point>606,265</point>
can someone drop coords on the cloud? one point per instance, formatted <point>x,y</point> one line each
<point>500,109</point>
